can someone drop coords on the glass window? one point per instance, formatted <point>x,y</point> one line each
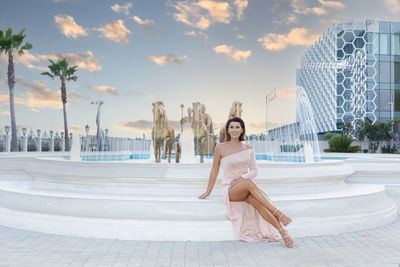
<point>397,100</point>
<point>396,44</point>
<point>384,71</point>
<point>384,44</point>
<point>384,27</point>
<point>395,27</point>
<point>384,100</point>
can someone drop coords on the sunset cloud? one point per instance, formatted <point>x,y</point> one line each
<point>5,99</point>
<point>297,36</point>
<point>235,54</point>
<point>145,24</point>
<point>84,60</point>
<point>392,5</point>
<point>240,5</point>
<point>144,125</point>
<point>200,35</point>
<point>104,88</point>
<point>203,13</point>
<point>168,58</point>
<point>69,27</point>
<point>286,93</point>
<point>122,8</point>
<point>115,31</point>
<point>41,97</point>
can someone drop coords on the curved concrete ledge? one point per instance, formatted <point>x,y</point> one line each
<point>159,201</point>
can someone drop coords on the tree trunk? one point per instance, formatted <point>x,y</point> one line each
<point>11,84</point>
<point>64,101</point>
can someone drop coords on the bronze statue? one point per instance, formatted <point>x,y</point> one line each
<point>161,133</point>
<point>204,138</point>
<point>235,111</point>
<point>178,148</point>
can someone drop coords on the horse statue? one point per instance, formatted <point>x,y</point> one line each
<point>204,138</point>
<point>178,148</point>
<point>161,134</point>
<point>235,111</point>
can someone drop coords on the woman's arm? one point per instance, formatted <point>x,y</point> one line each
<point>253,170</point>
<point>214,172</point>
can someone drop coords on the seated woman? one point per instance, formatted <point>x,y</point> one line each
<point>248,206</point>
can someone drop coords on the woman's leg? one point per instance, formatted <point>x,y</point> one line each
<point>247,185</point>
<point>269,217</point>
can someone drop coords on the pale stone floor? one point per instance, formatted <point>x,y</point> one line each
<point>377,247</point>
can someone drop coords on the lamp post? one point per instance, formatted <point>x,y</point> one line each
<point>62,146</point>
<point>98,133</point>
<point>87,138</point>
<point>51,132</point>
<point>7,139</point>
<point>38,141</point>
<point>268,98</point>
<point>24,140</point>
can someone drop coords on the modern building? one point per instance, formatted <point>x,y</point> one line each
<point>353,72</point>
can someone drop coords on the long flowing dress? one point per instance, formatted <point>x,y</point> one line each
<point>247,222</point>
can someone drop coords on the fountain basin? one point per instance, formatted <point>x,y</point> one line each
<point>159,201</point>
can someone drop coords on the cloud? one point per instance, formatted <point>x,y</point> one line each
<point>84,60</point>
<point>115,31</point>
<point>104,88</point>
<point>5,99</point>
<point>237,55</point>
<point>332,4</point>
<point>168,58</point>
<point>122,8</point>
<point>203,13</point>
<point>145,24</point>
<point>69,27</point>
<point>297,36</point>
<point>239,36</point>
<point>240,5</point>
<point>42,97</point>
<point>392,5</point>
<point>144,125</point>
<point>4,112</point>
<point>286,93</point>
<point>200,35</point>
<point>300,7</point>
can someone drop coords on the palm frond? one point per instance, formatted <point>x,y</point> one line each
<point>48,74</point>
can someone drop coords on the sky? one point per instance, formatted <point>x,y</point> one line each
<point>132,53</point>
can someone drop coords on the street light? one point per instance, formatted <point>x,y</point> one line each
<point>87,129</point>
<point>51,132</point>
<point>7,129</point>
<point>38,131</point>
<point>24,131</point>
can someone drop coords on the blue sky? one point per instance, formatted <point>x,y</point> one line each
<point>131,53</point>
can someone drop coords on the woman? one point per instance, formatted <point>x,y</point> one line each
<point>242,197</point>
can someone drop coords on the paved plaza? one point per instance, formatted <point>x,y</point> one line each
<point>377,247</point>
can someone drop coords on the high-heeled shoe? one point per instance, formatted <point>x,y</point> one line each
<point>286,238</point>
<point>282,218</point>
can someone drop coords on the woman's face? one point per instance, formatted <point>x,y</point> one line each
<point>235,129</point>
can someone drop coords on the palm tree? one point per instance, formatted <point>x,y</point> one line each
<point>65,73</point>
<point>10,43</point>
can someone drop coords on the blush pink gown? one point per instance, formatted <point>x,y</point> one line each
<point>247,222</point>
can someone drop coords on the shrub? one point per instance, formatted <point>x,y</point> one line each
<point>290,148</point>
<point>342,143</point>
<point>329,136</point>
<point>388,148</point>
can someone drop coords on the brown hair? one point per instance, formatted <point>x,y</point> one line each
<point>239,120</point>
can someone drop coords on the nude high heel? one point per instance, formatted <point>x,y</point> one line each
<point>282,218</point>
<point>286,238</point>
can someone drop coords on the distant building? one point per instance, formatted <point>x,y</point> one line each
<point>353,72</point>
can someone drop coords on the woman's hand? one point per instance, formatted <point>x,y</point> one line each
<point>236,181</point>
<point>206,194</point>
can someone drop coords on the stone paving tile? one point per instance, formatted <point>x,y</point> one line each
<point>375,247</point>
